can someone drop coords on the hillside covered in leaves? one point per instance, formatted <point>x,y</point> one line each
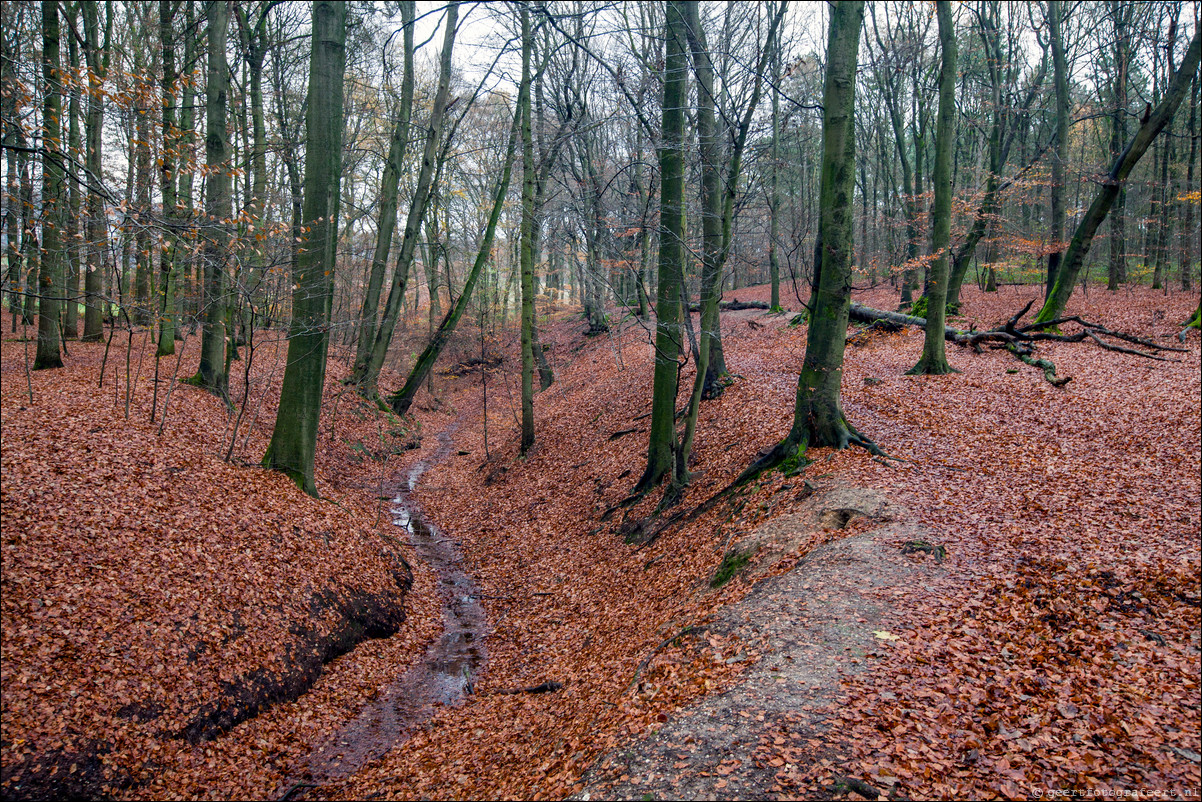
<point>178,622</point>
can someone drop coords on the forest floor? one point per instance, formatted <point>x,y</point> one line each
<point>151,586</point>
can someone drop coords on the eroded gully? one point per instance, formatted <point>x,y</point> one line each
<point>444,676</point>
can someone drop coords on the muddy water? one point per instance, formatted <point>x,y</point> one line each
<point>444,677</point>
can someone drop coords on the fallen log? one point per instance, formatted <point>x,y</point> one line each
<point>546,687</point>
<point>1019,340</point>
<point>734,305</point>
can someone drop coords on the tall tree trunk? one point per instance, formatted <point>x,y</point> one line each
<point>818,418</point>
<point>255,41</point>
<point>527,238</point>
<point>13,137</point>
<point>716,372</point>
<point>144,304</point>
<point>213,375</point>
<point>1060,158</point>
<point>403,399</point>
<point>97,59</point>
<point>294,438</point>
<point>774,189</point>
<point>934,358</point>
<point>75,203</point>
<point>1117,273</point>
<point>186,163</point>
<point>1188,240</point>
<point>49,354</point>
<point>711,228</point>
<point>167,182</point>
<point>389,181</point>
<point>1167,190</point>
<point>367,376</point>
<point>661,449</point>
<point>1122,167</point>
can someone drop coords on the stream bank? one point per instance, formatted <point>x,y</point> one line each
<point>442,678</point>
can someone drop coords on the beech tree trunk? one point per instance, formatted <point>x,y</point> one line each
<point>212,374</point>
<point>49,353</point>
<point>403,399</point>
<point>294,438</point>
<point>367,375</point>
<point>389,182</point>
<point>97,58</point>
<point>527,238</point>
<point>818,418</point>
<point>1122,167</point>
<point>934,358</point>
<point>1120,13</point>
<point>1060,157</point>
<point>661,449</point>
<point>167,181</point>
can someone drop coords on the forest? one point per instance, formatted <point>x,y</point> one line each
<point>580,399</point>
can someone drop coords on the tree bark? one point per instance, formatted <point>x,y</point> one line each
<point>213,375</point>
<point>294,438</point>
<point>403,399</point>
<point>97,58</point>
<point>527,239</point>
<point>367,376</point>
<point>167,181</point>
<point>1060,157</point>
<point>934,358</point>
<point>49,353</point>
<point>1117,273</point>
<point>818,418</point>
<point>389,182</point>
<point>1122,167</point>
<point>661,449</point>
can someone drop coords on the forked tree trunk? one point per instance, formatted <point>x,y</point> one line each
<point>389,181</point>
<point>403,399</point>
<point>367,374</point>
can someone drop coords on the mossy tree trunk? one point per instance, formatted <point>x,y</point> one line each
<point>934,357</point>
<point>1060,158</point>
<point>403,399</point>
<point>367,374</point>
<point>213,375</point>
<point>294,438</point>
<point>527,238</point>
<point>389,182</point>
<point>1152,124</point>
<point>661,449</point>
<point>49,352</point>
<point>818,418</point>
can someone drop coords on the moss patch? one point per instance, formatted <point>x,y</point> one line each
<point>732,563</point>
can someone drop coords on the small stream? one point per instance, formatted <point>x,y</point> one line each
<point>444,677</point>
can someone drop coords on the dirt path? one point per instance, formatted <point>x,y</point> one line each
<point>827,617</point>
